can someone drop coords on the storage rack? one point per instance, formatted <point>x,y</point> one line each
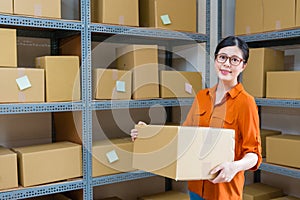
<point>275,38</point>
<point>59,28</point>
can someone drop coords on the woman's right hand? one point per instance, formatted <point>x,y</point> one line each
<point>134,132</point>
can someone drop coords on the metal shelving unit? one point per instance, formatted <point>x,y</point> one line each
<point>60,28</point>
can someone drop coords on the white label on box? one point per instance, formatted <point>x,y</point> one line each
<point>165,19</point>
<point>23,83</point>
<point>120,86</point>
<point>38,10</point>
<point>112,156</point>
<point>188,88</point>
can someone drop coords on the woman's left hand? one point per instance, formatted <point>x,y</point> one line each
<point>227,171</point>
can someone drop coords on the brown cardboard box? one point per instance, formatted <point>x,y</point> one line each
<point>248,17</point>
<point>286,198</point>
<point>114,12</point>
<point>70,46</point>
<point>263,135</point>
<point>279,14</point>
<point>176,84</point>
<point>164,14</point>
<point>169,195</point>
<point>47,163</point>
<point>180,152</point>
<point>112,84</point>
<point>261,60</point>
<point>143,61</point>
<point>289,145</point>
<point>259,191</point>
<point>31,129</point>
<point>112,156</point>
<point>50,197</point>
<point>38,8</point>
<point>62,77</point>
<point>8,169</point>
<point>8,55</point>
<point>279,85</point>
<point>6,6</point>
<point>297,13</point>
<point>21,85</point>
<point>111,198</point>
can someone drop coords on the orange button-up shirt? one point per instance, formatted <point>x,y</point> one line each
<point>237,111</point>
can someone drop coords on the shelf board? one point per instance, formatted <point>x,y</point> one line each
<point>290,103</point>
<point>116,178</point>
<point>27,192</point>
<point>27,21</point>
<point>19,108</point>
<point>147,32</point>
<point>281,170</point>
<point>122,104</point>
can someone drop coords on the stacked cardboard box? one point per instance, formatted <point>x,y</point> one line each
<point>8,55</point>
<point>263,135</point>
<point>8,169</point>
<point>164,14</point>
<point>260,191</point>
<point>6,6</point>
<point>182,153</point>
<point>286,198</point>
<point>169,195</point>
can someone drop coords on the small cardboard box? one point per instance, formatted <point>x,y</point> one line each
<point>164,14</point>
<point>112,156</point>
<point>169,195</point>
<point>177,84</point>
<point>279,85</point>
<point>50,197</point>
<point>142,60</point>
<point>8,169</point>
<point>259,191</point>
<point>47,163</point>
<point>112,84</point>
<point>62,77</point>
<point>248,17</point>
<point>297,13</point>
<point>8,55</point>
<point>181,152</point>
<point>20,85</point>
<point>261,60</point>
<point>279,14</point>
<point>6,6</point>
<point>286,198</point>
<point>113,12</point>
<point>263,135</point>
<point>38,8</point>
<point>287,154</point>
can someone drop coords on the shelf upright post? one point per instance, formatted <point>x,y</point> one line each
<point>207,28</point>
<point>86,93</point>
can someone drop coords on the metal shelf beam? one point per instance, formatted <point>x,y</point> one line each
<point>21,193</point>
<point>278,102</point>
<point>281,170</point>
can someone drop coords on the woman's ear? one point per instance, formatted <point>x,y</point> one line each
<point>244,66</point>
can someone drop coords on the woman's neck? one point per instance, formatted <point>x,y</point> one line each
<point>224,86</point>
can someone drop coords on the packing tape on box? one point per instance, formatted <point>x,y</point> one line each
<point>115,74</point>
<point>38,9</point>
<point>21,97</point>
<point>121,20</point>
<point>21,72</point>
<point>188,88</point>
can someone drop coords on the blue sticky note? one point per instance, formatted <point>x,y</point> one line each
<point>165,19</point>
<point>112,156</point>
<point>23,83</point>
<point>120,85</point>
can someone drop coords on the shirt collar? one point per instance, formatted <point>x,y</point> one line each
<point>233,92</point>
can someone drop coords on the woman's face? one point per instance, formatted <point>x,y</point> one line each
<point>227,70</point>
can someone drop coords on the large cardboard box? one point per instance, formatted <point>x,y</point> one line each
<point>8,169</point>
<point>182,153</point>
<point>47,163</point>
<point>114,12</point>
<point>261,60</point>
<point>260,191</point>
<point>112,156</point>
<point>142,60</point>
<point>112,84</point>
<point>38,8</point>
<point>50,197</point>
<point>62,77</point>
<point>248,17</point>
<point>289,145</point>
<point>279,85</point>
<point>263,135</point>
<point>164,14</point>
<point>177,84</point>
<point>8,55</point>
<point>286,198</point>
<point>6,6</point>
<point>279,14</point>
<point>297,13</point>
<point>21,85</point>
<point>169,195</point>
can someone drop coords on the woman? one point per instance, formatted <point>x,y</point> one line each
<point>227,105</point>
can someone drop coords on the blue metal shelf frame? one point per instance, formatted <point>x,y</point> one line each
<point>21,193</point>
<point>281,170</point>
<point>116,178</point>
<point>290,103</point>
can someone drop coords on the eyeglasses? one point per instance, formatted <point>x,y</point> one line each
<point>233,60</point>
